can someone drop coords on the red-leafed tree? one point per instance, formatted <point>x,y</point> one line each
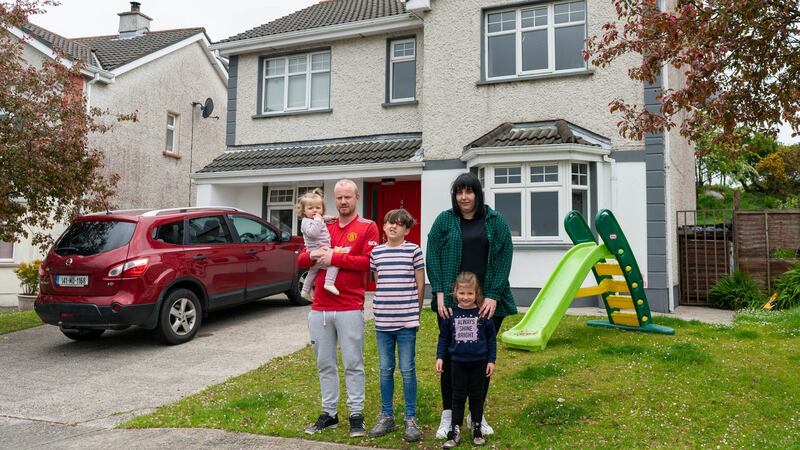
<point>741,60</point>
<point>48,172</point>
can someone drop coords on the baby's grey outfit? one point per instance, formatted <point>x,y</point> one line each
<point>315,235</point>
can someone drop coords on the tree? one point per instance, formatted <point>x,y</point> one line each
<point>48,172</point>
<point>741,60</point>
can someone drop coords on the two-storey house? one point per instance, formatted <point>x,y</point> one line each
<point>403,96</point>
<point>165,78</point>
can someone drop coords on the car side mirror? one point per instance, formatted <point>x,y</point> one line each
<point>285,236</point>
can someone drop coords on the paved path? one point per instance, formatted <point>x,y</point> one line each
<point>702,314</point>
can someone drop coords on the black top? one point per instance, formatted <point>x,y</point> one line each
<point>467,337</point>
<point>475,247</point>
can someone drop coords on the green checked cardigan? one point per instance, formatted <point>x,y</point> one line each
<point>444,259</point>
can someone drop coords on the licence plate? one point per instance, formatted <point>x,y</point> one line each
<point>72,280</point>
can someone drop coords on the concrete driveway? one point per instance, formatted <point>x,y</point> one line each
<point>52,388</point>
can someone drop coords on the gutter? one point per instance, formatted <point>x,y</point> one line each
<point>329,33</point>
<point>306,170</point>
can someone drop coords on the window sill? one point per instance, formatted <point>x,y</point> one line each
<point>542,245</point>
<point>292,113</point>
<point>403,103</point>
<point>8,264</point>
<point>582,73</point>
<point>171,155</point>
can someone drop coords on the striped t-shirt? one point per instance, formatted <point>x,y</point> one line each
<point>396,303</point>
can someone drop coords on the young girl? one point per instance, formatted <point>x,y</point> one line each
<point>311,207</point>
<point>470,342</point>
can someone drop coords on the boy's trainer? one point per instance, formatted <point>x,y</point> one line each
<point>357,425</point>
<point>384,425</point>
<point>324,421</point>
<point>412,433</point>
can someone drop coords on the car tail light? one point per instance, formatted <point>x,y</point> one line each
<point>133,268</point>
<point>42,272</point>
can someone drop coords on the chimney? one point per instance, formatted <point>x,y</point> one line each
<point>133,23</point>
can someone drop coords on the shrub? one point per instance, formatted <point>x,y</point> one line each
<point>788,287</point>
<point>28,274</point>
<point>737,291</point>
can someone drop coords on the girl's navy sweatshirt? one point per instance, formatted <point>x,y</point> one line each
<point>467,337</point>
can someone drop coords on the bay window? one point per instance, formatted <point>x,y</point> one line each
<point>533,198</point>
<point>536,39</point>
<point>297,83</point>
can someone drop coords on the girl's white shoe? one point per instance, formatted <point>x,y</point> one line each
<point>331,288</point>
<point>444,424</point>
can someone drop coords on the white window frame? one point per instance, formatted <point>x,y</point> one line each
<point>13,254</point>
<point>174,129</point>
<point>309,72</point>
<point>518,30</point>
<point>396,59</point>
<point>288,205</point>
<point>563,186</point>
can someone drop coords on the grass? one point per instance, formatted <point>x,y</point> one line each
<point>17,320</point>
<point>707,386</point>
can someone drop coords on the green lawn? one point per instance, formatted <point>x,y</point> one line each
<point>707,386</point>
<point>17,320</point>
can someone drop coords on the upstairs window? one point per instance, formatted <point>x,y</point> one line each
<point>402,70</point>
<point>172,131</point>
<point>533,40</point>
<point>6,251</point>
<point>297,83</point>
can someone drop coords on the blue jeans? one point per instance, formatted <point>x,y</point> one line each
<point>406,342</point>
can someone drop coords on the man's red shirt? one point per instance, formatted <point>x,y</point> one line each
<point>357,239</point>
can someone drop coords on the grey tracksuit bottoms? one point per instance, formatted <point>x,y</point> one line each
<point>347,328</point>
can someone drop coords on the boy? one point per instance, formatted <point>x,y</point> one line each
<point>399,267</point>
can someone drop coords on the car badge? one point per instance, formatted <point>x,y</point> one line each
<point>68,262</point>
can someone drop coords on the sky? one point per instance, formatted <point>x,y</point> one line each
<point>80,18</point>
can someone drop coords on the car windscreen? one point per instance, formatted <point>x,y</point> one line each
<point>91,238</point>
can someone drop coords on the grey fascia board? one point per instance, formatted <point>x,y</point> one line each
<point>306,169</point>
<point>328,33</point>
<point>585,152</point>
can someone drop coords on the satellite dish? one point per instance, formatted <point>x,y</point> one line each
<point>208,108</point>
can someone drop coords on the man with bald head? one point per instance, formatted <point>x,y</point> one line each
<point>340,318</point>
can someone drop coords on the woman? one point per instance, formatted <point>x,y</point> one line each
<point>470,237</point>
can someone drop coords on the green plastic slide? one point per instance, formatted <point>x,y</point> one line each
<point>541,320</point>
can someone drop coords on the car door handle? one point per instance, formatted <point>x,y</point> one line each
<point>199,257</point>
<point>251,251</point>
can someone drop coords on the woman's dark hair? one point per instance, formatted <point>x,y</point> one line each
<point>471,182</point>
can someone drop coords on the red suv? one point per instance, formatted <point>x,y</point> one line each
<point>163,270</point>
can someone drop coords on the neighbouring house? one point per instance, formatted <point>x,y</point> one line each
<point>163,76</point>
<point>403,96</point>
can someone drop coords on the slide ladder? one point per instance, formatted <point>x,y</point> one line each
<point>619,281</point>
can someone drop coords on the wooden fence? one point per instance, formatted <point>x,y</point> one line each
<point>711,244</point>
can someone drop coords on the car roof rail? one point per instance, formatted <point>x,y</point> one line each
<point>113,211</point>
<point>159,212</point>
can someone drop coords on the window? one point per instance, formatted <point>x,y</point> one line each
<point>172,127</point>
<point>209,230</point>
<point>169,233</point>
<point>297,83</point>
<point>534,204</point>
<point>281,202</point>
<point>250,230</point>
<point>402,70</point>
<point>93,237</point>
<point>535,40</point>
<point>6,251</point>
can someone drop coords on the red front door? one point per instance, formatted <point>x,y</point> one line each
<point>380,199</point>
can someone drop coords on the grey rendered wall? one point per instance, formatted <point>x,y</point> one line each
<point>135,150</point>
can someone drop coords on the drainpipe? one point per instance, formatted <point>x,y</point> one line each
<point>613,163</point>
<point>89,91</point>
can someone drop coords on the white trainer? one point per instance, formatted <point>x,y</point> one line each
<point>486,429</point>
<point>444,424</point>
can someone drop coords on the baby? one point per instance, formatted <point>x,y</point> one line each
<point>311,208</point>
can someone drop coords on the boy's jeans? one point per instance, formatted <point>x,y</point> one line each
<point>406,342</point>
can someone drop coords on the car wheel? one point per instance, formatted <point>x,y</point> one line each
<point>82,334</point>
<point>180,318</point>
<point>294,293</point>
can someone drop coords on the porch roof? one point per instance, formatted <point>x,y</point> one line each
<point>344,152</point>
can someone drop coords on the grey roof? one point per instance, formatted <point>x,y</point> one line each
<point>326,13</point>
<point>533,133</point>
<point>311,154</point>
<point>71,49</point>
<point>114,52</point>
